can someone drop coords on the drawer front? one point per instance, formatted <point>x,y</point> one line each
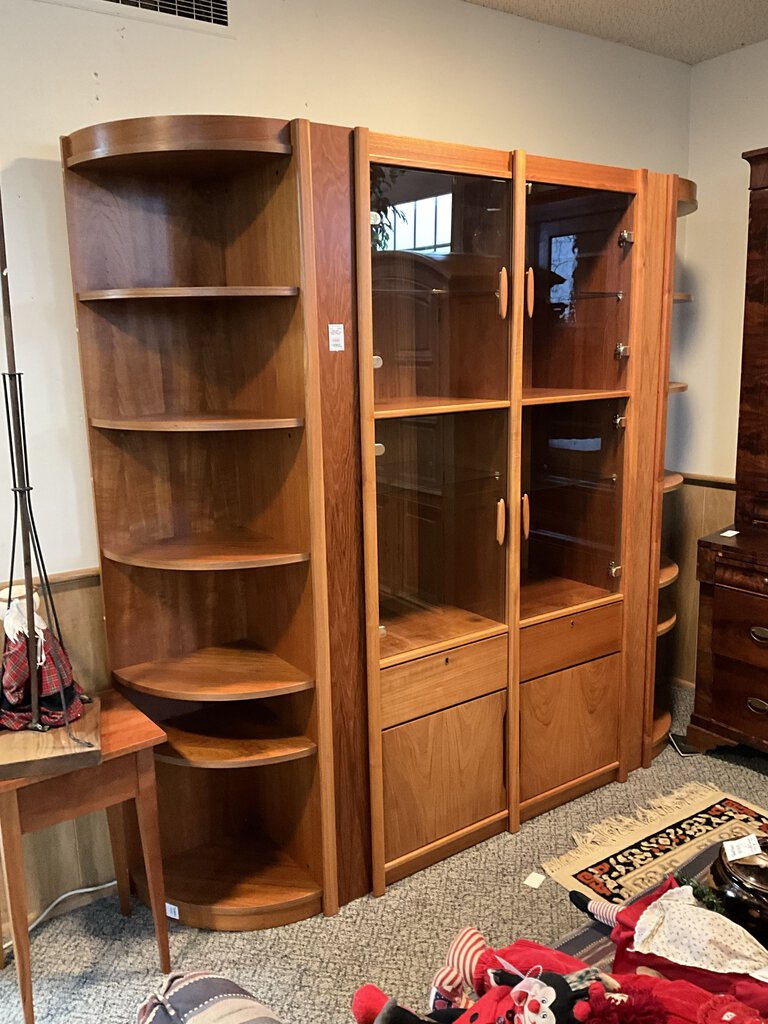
<point>740,626</point>
<point>740,697</point>
<point>743,577</point>
<point>569,640</point>
<point>568,725</point>
<point>439,681</point>
<point>443,773</point>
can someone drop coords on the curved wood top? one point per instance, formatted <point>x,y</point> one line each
<point>677,387</point>
<point>228,739</point>
<point>235,549</point>
<point>172,422</point>
<point>665,625</point>
<point>686,197</point>
<point>200,139</point>
<point>668,572</point>
<point>216,292</point>
<point>239,671</point>
<point>672,481</point>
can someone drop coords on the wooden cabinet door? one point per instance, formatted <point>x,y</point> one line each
<point>568,725</point>
<point>442,773</point>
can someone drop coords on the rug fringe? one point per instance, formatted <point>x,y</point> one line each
<point>610,830</point>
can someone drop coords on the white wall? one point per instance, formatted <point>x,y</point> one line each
<point>433,68</point>
<point>729,115</point>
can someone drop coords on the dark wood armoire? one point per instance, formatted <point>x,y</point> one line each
<point>732,668</point>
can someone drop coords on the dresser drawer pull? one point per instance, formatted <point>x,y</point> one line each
<point>757,706</point>
<point>760,635</point>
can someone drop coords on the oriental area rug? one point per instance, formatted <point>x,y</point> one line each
<point>621,857</point>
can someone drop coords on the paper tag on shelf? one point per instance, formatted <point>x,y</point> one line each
<point>171,910</point>
<point>534,880</point>
<point>336,337</point>
<point>735,849</point>
<point>729,533</point>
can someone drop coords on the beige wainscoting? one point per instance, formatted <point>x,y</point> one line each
<point>75,854</point>
<point>701,506</point>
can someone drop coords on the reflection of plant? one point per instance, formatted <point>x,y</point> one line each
<point>382,180</point>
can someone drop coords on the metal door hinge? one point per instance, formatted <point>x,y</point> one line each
<point>619,421</point>
<point>528,187</point>
<point>626,238</point>
<point>614,571</point>
<point>378,449</point>
<point>621,351</point>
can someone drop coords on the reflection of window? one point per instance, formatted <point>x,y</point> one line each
<point>563,260</point>
<point>423,225</point>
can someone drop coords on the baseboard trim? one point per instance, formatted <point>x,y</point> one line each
<point>720,483</point>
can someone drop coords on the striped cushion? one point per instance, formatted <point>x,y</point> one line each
<point>201,998</point>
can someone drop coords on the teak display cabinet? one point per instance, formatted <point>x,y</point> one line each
<point>511,331</point>
<point>192,259</point>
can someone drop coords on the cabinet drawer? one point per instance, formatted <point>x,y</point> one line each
<point>740,697</point>
<point>569,640</point>
<point>439,681</point>
<point>740,626</point>
<point>443,773</point>
<point>743,577</point>
<point>568,725</point>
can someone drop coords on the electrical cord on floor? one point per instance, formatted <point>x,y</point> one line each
<point>64,896</point>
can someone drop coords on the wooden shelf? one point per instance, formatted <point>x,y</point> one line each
<point>240,671</point>
<point>415,630</point>
<point>202,422</point>
<point>672,481</point>
<point>554,396</point>
<point>666,622</point>
<point>236,549</point>
<point>662,724</point>
<point>225,738</point>
<point>682,297</point>
<point>687,201</point>
<point>236,885</point>
<point>549,596</point>
<point>217,292</point>
<point>676,387</point>
<point>668,572</point>
<point>430,405</point>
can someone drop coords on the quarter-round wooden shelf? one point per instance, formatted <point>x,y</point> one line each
<point>662,723</point>
<point>198,552</point>
<point>666,624</point>
<point>676,387</point>
<point>682,297</point>
<point>554,396</point>
<point>172,422</point>
<point>668,572</point>
<point>236,885</point>
<point>229,672</point>
<point>672,481</point>
<point>203,292</point>
<point>687,201</point>
<point>391,408</point>
<point>180,142</point>
<point>225,738</point>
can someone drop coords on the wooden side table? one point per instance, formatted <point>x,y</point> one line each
<point>126,773</point>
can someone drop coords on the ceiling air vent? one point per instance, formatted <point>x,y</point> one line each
<point>212,12</point>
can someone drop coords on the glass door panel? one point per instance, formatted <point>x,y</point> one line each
<point>439,482</point>
<point>572,482</point>
<point>579,251</point>
<point>440,248</point>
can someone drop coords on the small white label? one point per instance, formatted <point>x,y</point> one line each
<point>729,533</point>
<point>171,910</point>
<point>336,337</point>
<point>735,849</point>
<point>534,880</point>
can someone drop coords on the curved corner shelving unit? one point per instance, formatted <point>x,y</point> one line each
<point>190,319</point>
<point>666,622</point>
<point>687,201</point>
<point>668,572</point>
<point>672,481</point>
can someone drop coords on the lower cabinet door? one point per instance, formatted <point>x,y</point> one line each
<point>569,725</point>
<point>442,773</point>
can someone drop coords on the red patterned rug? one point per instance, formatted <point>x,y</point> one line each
<point>619,858</point>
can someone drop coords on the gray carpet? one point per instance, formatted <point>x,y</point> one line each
<point>94,966</point>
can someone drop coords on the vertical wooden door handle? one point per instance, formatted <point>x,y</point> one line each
<point>530,295</point>
<point>503,293</point>
<point>501,521</point>
<point>526,517</point>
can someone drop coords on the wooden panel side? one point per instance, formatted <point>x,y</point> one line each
<point>437,156</point>
<point>581,175</point>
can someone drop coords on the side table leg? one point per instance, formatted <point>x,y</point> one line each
<point>16,889</point>
<point>117,839</point>
<point>146,809</point>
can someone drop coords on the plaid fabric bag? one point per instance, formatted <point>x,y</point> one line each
<point>200,998</point>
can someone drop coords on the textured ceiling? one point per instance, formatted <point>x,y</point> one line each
<point>686,30</point>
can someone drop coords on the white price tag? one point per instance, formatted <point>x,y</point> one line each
<point>729,533</point>
<point>735,849</point>
<point>534,880</point>
<point>336,337</point>
<point>171,910</point>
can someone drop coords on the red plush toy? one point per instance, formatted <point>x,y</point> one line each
<point>641,1007</point>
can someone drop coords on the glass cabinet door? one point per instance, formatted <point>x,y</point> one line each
<point>440,488</point>
<point>440,247</point>
<point>579,254</point>
<point>572,486</point>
